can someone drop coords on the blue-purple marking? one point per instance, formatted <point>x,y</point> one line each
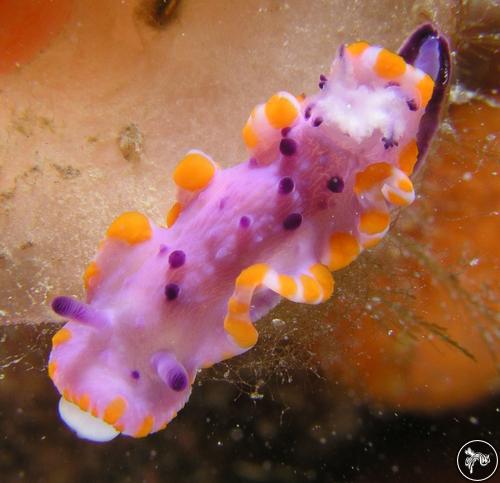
<point>292,221</point>
<point>288,147</point>
<point>286,185</point>
<point>172,291</point>
<point>177,258</point>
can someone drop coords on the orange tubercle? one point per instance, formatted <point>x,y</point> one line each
<point>357,48</point>
<point>343,248</point>
<point>236,307</point>
<point>389,65</point>
<point>84,402</point>
<point>253,275</point>
<point>194,172</point>
<point>114,410</point>
<point>287,286</point>
<point>425,87</point>
<point>90,275</point>
<point>243,332</point>
<point>61,336</point>
<point>173,214</point>
<point>373,222</point>
<point>249,136</point>
<point>280,111</point>
<point>310,287</point>
<point>131,227</point>
<point>145,427</point>
<point>52,368</point>
<point>408,157</point>
<point>370,176</point>
<point>324,278</point>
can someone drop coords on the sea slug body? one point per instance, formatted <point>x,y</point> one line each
<point>324,174</point>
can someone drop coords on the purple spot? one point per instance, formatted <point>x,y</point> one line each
<point>172,291</point>
<point>412,105</point>
<point>177,380</point>
<point>292,221</point>
<point>318,121</point>
<point>307,113</point>
<point>323,78</point>
<point>392,84</point>
<point>288,147</point>
<point>245,221</point>
<point>389,143</point>
<point>222,203</point>
<point>321,85</point>
<point>177,258</point>
<point>253,163</point>
<point>135,375</point>
<point>286,185</point>
<point>163,249</point>
<point>335,184</point>
<point>285,131</point>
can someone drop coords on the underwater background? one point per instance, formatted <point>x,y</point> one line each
<point>384,382</point>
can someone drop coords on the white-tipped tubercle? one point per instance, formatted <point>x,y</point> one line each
<point>84,424</point>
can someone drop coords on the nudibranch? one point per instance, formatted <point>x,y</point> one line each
<point>324,175</point>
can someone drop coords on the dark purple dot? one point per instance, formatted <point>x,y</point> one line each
<point>307,113</point>
<point>285,131</point>
<point>288,147</point>
<point>222,203</point>
<point>321,84</point>
<point>323,78</point>
<point>253,163</point>
<point>412,105</point>
<point>335,184</point>
<point>389,142</point>
<point>163,249</point>
<point>172,291</point>
<point>292,221</point>
<point>286,185</point>
<point>177,380</point>
<point>135,375</point>
<point>392,84</point>
<point>177,258</point>
<point>245,221</point>
<point>317,122</point>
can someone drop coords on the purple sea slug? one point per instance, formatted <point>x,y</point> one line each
<point>324,174</point>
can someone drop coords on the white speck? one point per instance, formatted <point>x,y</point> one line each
<point>222,252</point>
<point>467,176</point>
<point>394,468</point>
<point>390,332</point>
<point>474,262</point>
<point>473,420</point>
<point>278,322</point>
